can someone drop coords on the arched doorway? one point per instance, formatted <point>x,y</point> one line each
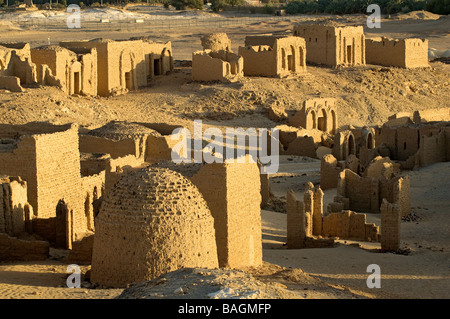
<point>311,120</point>
<point>334,122</point>
<point>351,145</point>
<point>127,71</point>
<point>322,121</point>
<point>291,60</point>
<point>370,142</point>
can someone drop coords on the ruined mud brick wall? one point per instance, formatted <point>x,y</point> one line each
<point>417,145</point>
<point>232,192</point>
<point>333,45</point>
<point>433,147</point>
<point>317,114</point>
<point>259,60</point>
<point>349,225</point>
<point>116,149</point>
<point>362,192</point>
<point>93,163</point>
<point>364,138</point>
<point>296,232</point>
<point>120,64</point>
<point>88,59</point>
<point>115,168</point>
<point>152,222</point>
<point>329,172</point>
<point>92,188</point>
<point>365,194</point>
<point>308,204</point>
<point>62,63</point>
<point>159,148</point>
<point>15,60</point>
<point>273,55</point>
<point>403,53</point>
<point>81,252</point>
<point>47,158</point>
<point>158,57</point>
<point>22,49</point>
<point>317,213</point>
<point>58,176</point>
<point>10,83</point>
<point>302,146</point>
<point>390,226</point>
<point>128,64</point>
<point>431,115</point>
<point>216,66</point>
<point>402,142</point>
<point>381,167</point>
<point>14,249</point>
<point>344,145</point>
<point>15,211</point>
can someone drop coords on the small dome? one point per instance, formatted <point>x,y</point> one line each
<point>117,131</point>
<point>152,222</point>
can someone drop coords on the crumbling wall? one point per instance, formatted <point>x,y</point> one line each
<point>129,64</point>
<point>158,57</point>
<point>329,172</point>
<point>116,149</point>
<point>15,60</point>
<point>365,194</point>
<point>274,56</point>
<point>47,158</point>
<point>296,233</point>
<point>10,83</point>
<point>349,225</point>
<point>14,249</point>
<point>216,66</point>
<point>159,148</point>
<point>63,64</point>
<point>344,145</point>
<point>431,115</point>
<point>92,188</point>
<point>390,226</point>
<point>362,192</point>
<point>93,163</point>
<point>81,252</point>
<point>259,60</point>
<point>119,166</point>
<point>15,211</point>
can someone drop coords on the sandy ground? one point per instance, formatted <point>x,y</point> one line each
<point>365,96</point>
<point>423,273</point>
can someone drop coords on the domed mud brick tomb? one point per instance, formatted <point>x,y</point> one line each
<point>153,221</point>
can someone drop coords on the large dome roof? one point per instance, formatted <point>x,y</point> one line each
<point>153,221</point>
<point>117,130</point>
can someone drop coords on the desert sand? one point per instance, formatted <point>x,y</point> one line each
<point>365,96</point>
